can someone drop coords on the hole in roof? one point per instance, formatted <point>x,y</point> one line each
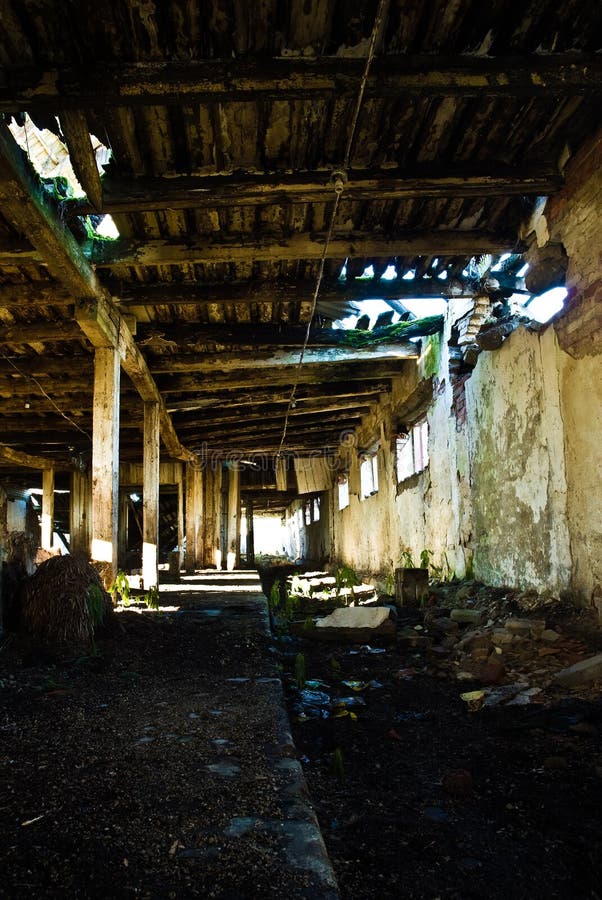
<point>409,275</point>
<point>367,274</point>
<point>501,260</point>
<point>343,272</point>
<point>546,305</point>
<point>523,271</point>
<point>107,228</point>
<point>442,275</point>
<point>49,156</point>
<point>389,274</point>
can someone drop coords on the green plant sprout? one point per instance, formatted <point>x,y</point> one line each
<point>121,586</point>
<point>300,678</point>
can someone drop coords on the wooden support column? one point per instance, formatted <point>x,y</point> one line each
<point>194,513</point>
<point>105,461</point>
<point>80,512</point>
<point>233,548</point>
<point>211,549</point>
<point>180,514</point>
<point>150,495</point>
<point>47,509</point>
<point>250,535</point>
<point>123,529</point>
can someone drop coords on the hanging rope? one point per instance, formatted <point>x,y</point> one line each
<point>339,186</point>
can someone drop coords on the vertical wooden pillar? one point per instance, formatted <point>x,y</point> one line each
<point>211,549</point>
<point>250,534</point>
<point>233,558</point>
<point>123,530</point>
<point>47,509</point>
<point>194,513</point>
<point>150,496</point>
<point>80,512</point>
<point>180,514</point>
<point>105,460</point>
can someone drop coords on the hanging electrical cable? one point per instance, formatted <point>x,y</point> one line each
<point>338,179</point>
<point>47,396</point>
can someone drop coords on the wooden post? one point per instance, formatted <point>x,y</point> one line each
<point>47,509</point>
<point>233,557</point>
<point>150,496</point>
<point>180,515</point>
<point>194,512</point>
<point>105,461</point>
<point>123,529</point>
<point>250,535</point>
<point>79,512</point>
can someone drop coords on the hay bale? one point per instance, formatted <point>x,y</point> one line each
<point>64,602</point>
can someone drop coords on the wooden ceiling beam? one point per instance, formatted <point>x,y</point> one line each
<point>28,460</point>
<point>133,252</point>
<point>143,194</point>
<point>280,394</point>
<point>285,375</point>
<point>248,411</point>
<point>295,78</point>
<point>210,363</point>
<point>26,333</point>
<point>256,421</point>
<point>27,207</point>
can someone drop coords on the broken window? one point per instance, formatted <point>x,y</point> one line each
<point>369,475</point>
<point>343,491</point>
<point>411,450</point>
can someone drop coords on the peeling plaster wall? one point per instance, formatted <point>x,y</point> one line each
<point>516,448</point>
<point>512,490</point>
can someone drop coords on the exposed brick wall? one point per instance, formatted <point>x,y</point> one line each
<point>575,218</point>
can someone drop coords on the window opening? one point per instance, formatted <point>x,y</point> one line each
<point>411,451</point>
<point>343,492</point>
<point>369,476</point>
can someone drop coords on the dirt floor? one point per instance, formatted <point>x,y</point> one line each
<point>155,767</point>
<point>419,798</point>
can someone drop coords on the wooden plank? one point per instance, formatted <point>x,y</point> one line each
<point>32,294</point>
<point>75,128</point>
<point>209,363</point>
<point>145,194</point>
<point>27,460</point>
<point>150,496</point>
<point>18,252</point>
<point>221,403</point>
<point>105,460</point>
<point>134,252</point>
<point>250,411</point>
<point>250,78</point>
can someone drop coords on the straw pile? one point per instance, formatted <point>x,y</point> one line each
<point>64,602</point>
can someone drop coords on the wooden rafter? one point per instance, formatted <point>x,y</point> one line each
<point>221,80</point>
<point>141,194</point>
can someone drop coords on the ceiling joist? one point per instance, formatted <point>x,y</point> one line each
<point>296,78</point>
